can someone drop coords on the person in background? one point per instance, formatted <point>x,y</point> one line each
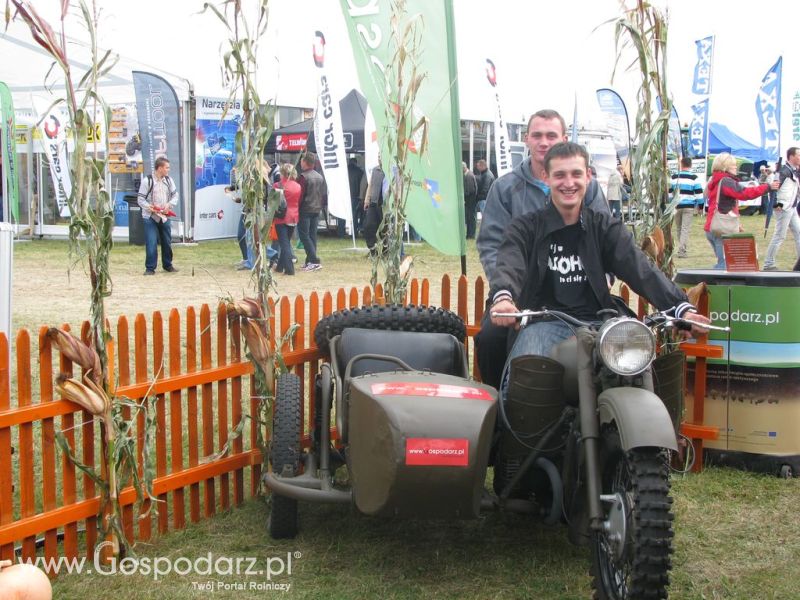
<point>470,201</point>
<point>285,226</point>
<point>373,208</point>
<point>313,191</point>
<point>485,179</point>
<point>690,201</point>
<point>614,193</point>
<point>785,211</point>
<point>157,197</point>
<point>764,176</point>
<point>519,192</point>
<point>725,183</point>
<point>356,176</point>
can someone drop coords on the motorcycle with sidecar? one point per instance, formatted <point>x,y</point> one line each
<point>581,437</point>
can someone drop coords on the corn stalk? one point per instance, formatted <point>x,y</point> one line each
<point>404,80</point>
<point>239,69</point>
<point>643,28</point>
<point>90,228</point>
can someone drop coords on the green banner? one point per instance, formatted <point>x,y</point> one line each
<point>9,152</point>
<point>435,204</point>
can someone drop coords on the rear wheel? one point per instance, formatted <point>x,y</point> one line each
<point>393,317</point>
<point>285,453</point>
<point>631,556</point>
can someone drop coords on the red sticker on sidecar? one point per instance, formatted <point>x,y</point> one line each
<point>453,452</point>
<point>437,390</point>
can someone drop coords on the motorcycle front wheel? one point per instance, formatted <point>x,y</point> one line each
<point>631,556</point>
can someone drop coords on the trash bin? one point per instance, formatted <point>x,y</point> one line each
<point>752,391</point>
<point>135,222</point>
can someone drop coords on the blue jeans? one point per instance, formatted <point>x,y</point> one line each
<point>153,234</point>
<point>537,339</point>
<point>307,230</point>
<point>716,244</point>
<point>241,237</point>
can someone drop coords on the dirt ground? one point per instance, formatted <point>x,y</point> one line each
<point>50,288</point>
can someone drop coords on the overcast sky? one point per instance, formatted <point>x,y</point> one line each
<point>545,52</point>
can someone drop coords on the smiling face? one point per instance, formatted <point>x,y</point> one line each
<point>542,135</point>
<point>568,178</point>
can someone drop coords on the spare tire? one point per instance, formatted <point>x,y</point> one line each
<point>394,317</point>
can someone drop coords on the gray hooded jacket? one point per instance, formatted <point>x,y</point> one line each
<point>512,195</point>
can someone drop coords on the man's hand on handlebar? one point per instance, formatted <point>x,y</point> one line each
<point>698,321</point>
<point>504,306</point>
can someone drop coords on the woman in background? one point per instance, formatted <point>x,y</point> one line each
<point>285,226</point>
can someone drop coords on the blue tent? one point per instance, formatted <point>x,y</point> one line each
<point>723,139</point>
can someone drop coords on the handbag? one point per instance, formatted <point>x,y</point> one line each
<point>280,211</point>
<point>724,223</point>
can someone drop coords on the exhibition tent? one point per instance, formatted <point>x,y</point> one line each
<point>300,136</point>
<point>722,139</point>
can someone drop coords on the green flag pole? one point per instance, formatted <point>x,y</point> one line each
<point>455,126</point>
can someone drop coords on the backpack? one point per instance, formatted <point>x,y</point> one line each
<point>170,185</point>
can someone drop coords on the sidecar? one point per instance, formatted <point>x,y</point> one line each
<point>412,429</point>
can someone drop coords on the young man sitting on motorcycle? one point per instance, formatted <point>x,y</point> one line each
<point>558,258</point>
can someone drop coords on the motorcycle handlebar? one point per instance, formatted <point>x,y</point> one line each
<point>650,320</point>
<point>525,315</point>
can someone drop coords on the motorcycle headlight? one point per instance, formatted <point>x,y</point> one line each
<point>626,346</point>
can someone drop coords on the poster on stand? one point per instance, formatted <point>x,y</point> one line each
<point>216,214</point>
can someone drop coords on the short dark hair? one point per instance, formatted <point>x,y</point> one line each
<point>310,158</point>
<point>686,161</point>
<point>547,114</point>
<point>565,150</point>
<point>161,160</point>
<point>791,152</point>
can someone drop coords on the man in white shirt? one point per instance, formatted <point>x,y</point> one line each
<point>157,197</point>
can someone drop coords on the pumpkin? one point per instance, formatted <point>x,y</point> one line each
<point>23,582</point>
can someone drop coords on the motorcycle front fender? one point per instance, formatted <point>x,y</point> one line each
<point>641,418</point>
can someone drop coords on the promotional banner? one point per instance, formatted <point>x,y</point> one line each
<point>159,126</point>
<point>216,214</point>
<point>768,110</point>
<point>698,129</point>
<point>329,138</point>
<point>9,155</point>
<point>796,117</point>
<point>501,149</point>
<point>435,204</point>
<point>124,140</point>
<point>53,129</point>
<point>613,108</point>
<point>674,129</point>
<point>702,69</point>
<point>749,388</point>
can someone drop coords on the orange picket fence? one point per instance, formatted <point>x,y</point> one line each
<point>193,365</point>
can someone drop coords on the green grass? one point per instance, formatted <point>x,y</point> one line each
<point>737,536</point>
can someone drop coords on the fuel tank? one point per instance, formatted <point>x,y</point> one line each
<point>419,443</point>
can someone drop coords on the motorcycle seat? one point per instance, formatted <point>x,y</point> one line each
<point>435,352</point>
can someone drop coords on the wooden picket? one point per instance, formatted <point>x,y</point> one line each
<point>196,372</point>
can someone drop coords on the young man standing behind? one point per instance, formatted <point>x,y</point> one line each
<point>157,197</point>
<point>519,192</point>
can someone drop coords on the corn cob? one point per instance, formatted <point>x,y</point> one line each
<point>76,351</point>
<point>93,399</point>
